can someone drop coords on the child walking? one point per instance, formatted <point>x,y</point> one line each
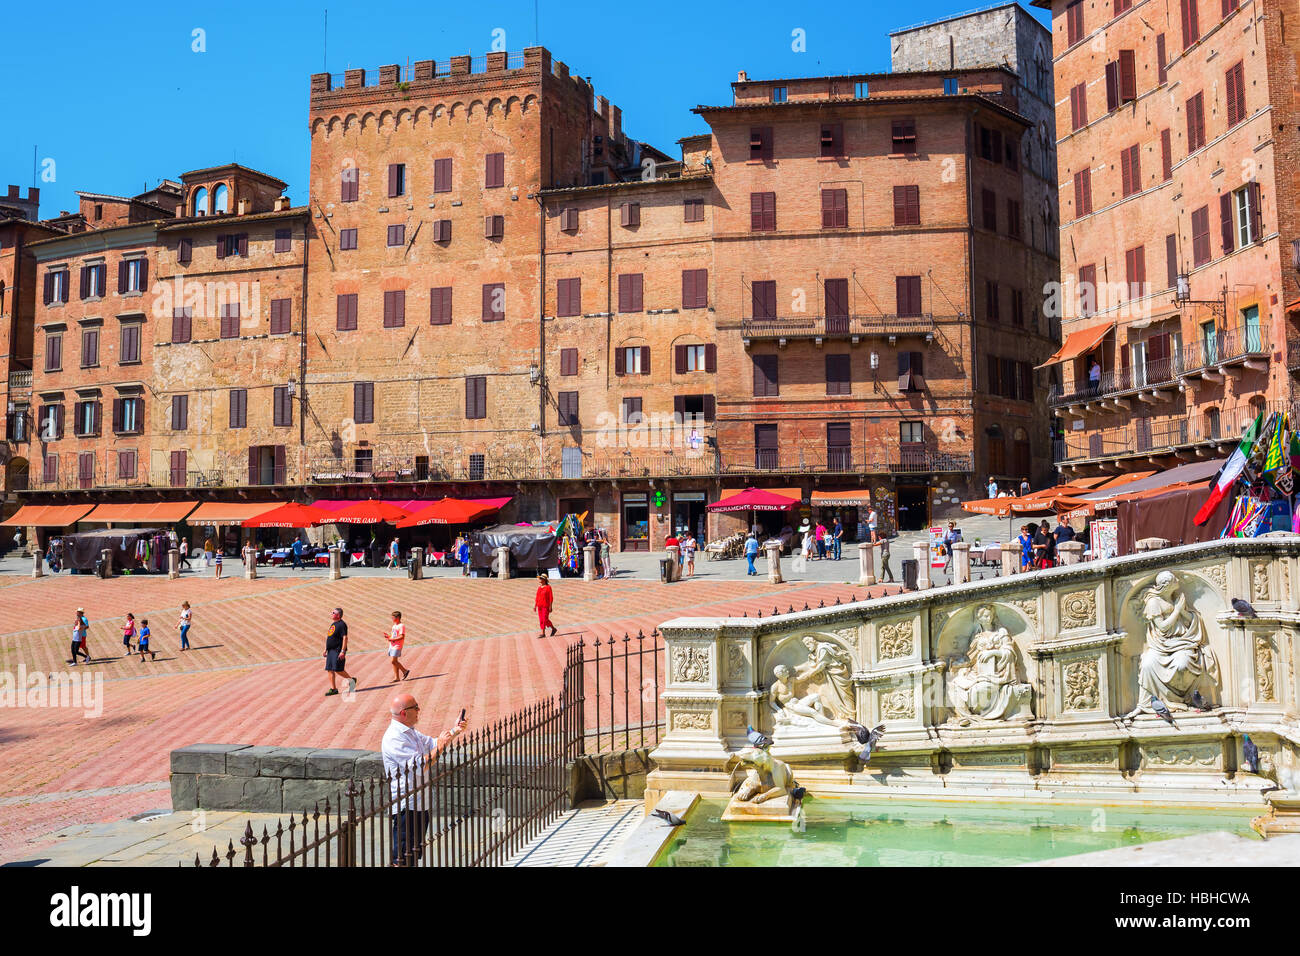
<point>183,625</point>
<point>128,634</point>
<point>217,558</point>
<point>144,641</point>
<point>396,640</point>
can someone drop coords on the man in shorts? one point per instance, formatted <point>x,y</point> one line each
<point>336,652</point>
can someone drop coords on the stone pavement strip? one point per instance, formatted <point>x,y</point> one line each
<point>584,836</point>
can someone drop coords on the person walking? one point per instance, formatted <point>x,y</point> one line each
<point>808,548</point>
<point>751,552</point>
<point>297,552</point>
<point>128,633</point>
<point>184,553</point>
<point>18,540</point>
<point>1039,546</point>
<point>216,558</point>
<point>143,645</point>
<point>80,627</point>
<point>885,569</point>
<point>394,559</point>
<point>950,537</point>
<point>993,488</point>
<point>407,756</point>
<point>336,653</point>
<point>209,548</point>
<point>688,554</point>
<point>543,602</point>
<point>1024,487</point>
<point>837,538</point>
<point>183,625</point>
<point>396,640</point>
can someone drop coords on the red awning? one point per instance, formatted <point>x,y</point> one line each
<point>48,516</point>
<point>454,511</point>
<point>1078,343</point>
<point>370,511</point>
<point>755,499</point>
<point>292,515</point>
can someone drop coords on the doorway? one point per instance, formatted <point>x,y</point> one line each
<point>636,521</point>
<point>689,512</point>
<point>913,507</point>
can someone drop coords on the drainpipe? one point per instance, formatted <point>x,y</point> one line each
<point>541,316</point>
<point>302,346</point>
<point>970,294</point>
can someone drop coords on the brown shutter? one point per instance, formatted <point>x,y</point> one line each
<point>679,409</point>
<point>620,365</point>
<point>710,408</point>
<point>710,358</point>
<point>117,415</point>
<point>1166,156</point>
<point>1112,85</point>
<point>121,277</point>
<point>1127,76</point>
<point>679,359</point>
<point>1230,96</point>
<point>1225,213</point>
<point>645,360</point>
<point>85,282</point>
<point>1171,259</point>
<point>1162,60</point>
<point>253,476</point>
<point>1256,210</point>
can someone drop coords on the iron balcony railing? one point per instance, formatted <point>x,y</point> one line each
<point>829,326</point>
<point>1152,374</point>
<point>1225,347</point>
<point>904,457</point>
<point>1293,353</point>
<point>1145,436</point>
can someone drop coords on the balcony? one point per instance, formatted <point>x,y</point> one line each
<point>902,458</point>
<point>1229,351</point>
<point>1293,354</point>
<point>20,379</point>
<point>1156,381</point>
<point>820,327</point>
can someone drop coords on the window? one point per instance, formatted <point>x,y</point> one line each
<point>835,208</point>
<point>695,358</point>
<point>1087,289</point>
<point>182,324</point>
<point>1130,164</point>
<point>233,245</point>
<point>1121,80</point>
<point>395,309</point>
<point>990,144</point>
<point>832,140</point>
<point>51,422</point>
<point>220,198</point>
<point>132,276</point>
<point>125,465</point>
<point>397,235</point>
<point>911,433</point>
<point>907,293</point>
<point>56,286</point>
<point>989,201</point>
<point>128,416</point>
<point>778,94</point>
<point>861,90</point>
<point>347,239</point>
<point>568,404</point>
<point>1201,236</point>
<point>200,202</point>
<point>766,380</point>
<point>1234,86</point>
<point>1122,5</point>
<point>1018,307</point>
<point>396,180</point>
<point>230,321</point>
<point>903,136</point>
<point>93,280</point>
<point>494,227</point>
<point>569,219</point>
<point>185,251</point>
<point>911,368</point>
<point>1171,260</point>
<point>239,408</point>
<point>442,230</point>
<point>695,288</point>
<point>440,306</point>
<point>180,413</point>
<point>838,380</point>
<point>442,175</point>
<point>363,461</point>
<point>363,402</point>
<point>629,214</point>
<point>1195,122</point>
<point>760,143</point>
<point>766,446</point>
<point>630,410</point>
<point>692,210</point>
<point>568,361</point>
<point>346,312</point>
<point>129,352</point>
<point>494,301</point>
<point>1079,106</point>
<point>283,240</point>
<point>86,423</point>
<point>281,406</point>
<point>281,316</point>
<point>1082,193</point>
<point>630,287</point>
<point>992,301</point>
<point>1240,213</point>
<point>632,360</point>
<point>1191,26</point>
<point>476,396</point>
<point>836,297</point>
<point>53,352</point>
<point>179,468</point>
<point>89,348</point>
<point>1166,156</point>
<point>266,465</point>
<point>568,295</point>
<point>1013,153</point>
<point>1013,218</point>
<point>763,299</point>
<point>86,469</point>
<point>1162,60</point>
<point>348,182</point>
<point>50,469</point>
<point>762,212</point>
<point>949,86</point>
<point>1074,22</point>
<point>494,174</point>
<point>1135,268</point>
<point>1228,7</point>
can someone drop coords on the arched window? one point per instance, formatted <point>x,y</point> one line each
<point>220,199</point>
<point>200,207</point>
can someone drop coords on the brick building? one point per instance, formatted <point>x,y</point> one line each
<point>1179,228</point>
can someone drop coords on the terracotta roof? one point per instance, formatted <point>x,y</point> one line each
<point>200,173</point>
<point>631,184</point>
<point>880,76</point>
<point>191,222</point>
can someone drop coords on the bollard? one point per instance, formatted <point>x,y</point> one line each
<point>417,564</point>
<point>1071,552</point>
<point>38,569</point>
<point>173,564</point>
<point>675,567</point>
<point>774,562</point>
<point>107,557</point>
<point>589,562</point>
<point>866,564</point>
<point>502,562</point>
<point>960,562</point>
<point>1011,560</point>
<point>921,551</point>
<point>336,564</point>
<point>250,562</point>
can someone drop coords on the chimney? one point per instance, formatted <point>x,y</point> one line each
<point>242,206</point>
<point>281,203</point>
<point>742,77</point>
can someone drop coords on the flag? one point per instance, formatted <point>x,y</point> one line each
<point>1230,471</point>
<point>1278,467</point>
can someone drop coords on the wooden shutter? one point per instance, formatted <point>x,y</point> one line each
<point>1191,23</point>
<point>1230,96</point>
<point>1236,86</point>
<point>907,295</point>
<point>837,298</point>
<point>117,415</point>
<point>710,408</point>
<point>1256,210</point>
<point>48,294</point>
<point>281,476</point>
<point>1162,60</point>
<point>905,370</point>
<point>85,282</point>
<point>1112,85</point>
<point>679,409</point>
<point>121,277</point>
<point>1225,215</point>
<point>620,362</point>
<point>1171,259</point>
<point>1166,156</point>
<point>679,359</point>
<point>1127,76</point>
<point>392,181</point>
<point>710,358</point>
<point>442,175</point>
<point>489,293</point>
<point>645,360</point>
<point>837,375</point>
<point>568,361</point>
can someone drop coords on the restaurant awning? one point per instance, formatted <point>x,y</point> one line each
<point>796,493</point>
<point>1077,343</point>
<point>859,497</point>
<point>48,516</point>
<point>140,512</point>
<point>454,511</point>
<point>755,499</point>
<point>230,512</point>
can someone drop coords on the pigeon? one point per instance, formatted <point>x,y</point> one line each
<point>757,738</point>
<point>798,793</point>
<point>1199,702</point>
<point>672,819</point>
<point>1243,608</point>
<point>865,736</point>
<point>1162,711</point>
<point>1251,753</point>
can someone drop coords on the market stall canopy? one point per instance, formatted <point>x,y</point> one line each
<point>370,511</point>
<point>48,516</point>
<point>860,497</point>
<point>1118,480</point>
<point>454,511</point>
<point>292,515</point>
<point>755,499</point>
<point>531,546</point>
<point>156,512</point>
<point>230,512</point>
<point>1096,481</point>
<point>1079,343</point>
<point>1036,503</point>
<point>1192,472</point>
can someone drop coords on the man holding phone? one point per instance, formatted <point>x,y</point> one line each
<point>408,756</point>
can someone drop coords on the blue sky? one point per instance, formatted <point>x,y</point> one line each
<point>157,109</point>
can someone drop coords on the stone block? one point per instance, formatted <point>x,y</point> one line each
<point>299,795</point>
<point>286,762</point>
<point>254,794</point>
<point>333,764</point>
<point>369,765</point>
<point>247,762</point>
<point>202,758</point>
<point>185,791</point>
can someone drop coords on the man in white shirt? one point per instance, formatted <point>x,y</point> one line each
<point>408,755</point>
<point>993,488</point>
<point>873,521</point>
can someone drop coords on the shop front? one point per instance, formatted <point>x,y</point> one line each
<point>851,506</point>
<point>913,506</point>
<point>689,510</point>
<point>636,521</point>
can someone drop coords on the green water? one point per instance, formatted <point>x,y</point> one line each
<point>842,832</point>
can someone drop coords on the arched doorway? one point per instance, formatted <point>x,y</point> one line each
<point>16,475</point>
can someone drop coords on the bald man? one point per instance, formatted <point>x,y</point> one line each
<point>408,755</point>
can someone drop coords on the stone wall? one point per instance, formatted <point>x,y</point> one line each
<point>263,779</point>
<point>1063,727</point>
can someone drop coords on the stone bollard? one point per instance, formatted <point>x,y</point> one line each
<point>417,564</point>
<point>960,562</point>
<point>866,564</point>
<point>774,562</point>
<point>38,568</point>
<point>1011,560</point>
<point>1071,552</point>
<point>1151,544</point>
<point>502,563</point>
<point>336,564</point>
<point>589,562</point>
<point>107,557</point>
<point>250,562</point>
<point>921,551</point>
<point>674,552</point>
<point>173,564</point>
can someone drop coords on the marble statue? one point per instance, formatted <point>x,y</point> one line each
<point>828,671</point>
<point>985,683</point>
<point>794,710</point>
<point>1177,659</point>
<point>766,778</point>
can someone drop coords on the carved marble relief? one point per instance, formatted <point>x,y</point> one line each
<point>691,665</point>
<point>1191,755</point>
<point>1264,683</point>
<point>986,683</point>
<point>1079,609</point>
<point>1218,576</point>
<point>1028,607</point>
<point>1082,685</point>
<point>1259,581</point>
<point>898,705</point>
<point>689,720</point>
<point>1177,659</point>
<point>735,664</point>
<point>1083,756</point>
<point>937,620</point>
<point>736,720</point>
<point>1285,566</point>
<point>895,640</point>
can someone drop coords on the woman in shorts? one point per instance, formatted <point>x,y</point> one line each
<point>396,639</point>
<point>128,634</point>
